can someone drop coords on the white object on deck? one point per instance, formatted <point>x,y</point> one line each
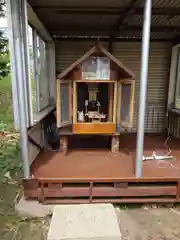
<point>156,157</point>
<point>84,222</point>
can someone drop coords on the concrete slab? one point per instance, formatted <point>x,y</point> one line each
<point>84,222</point>
<point>32,208</point>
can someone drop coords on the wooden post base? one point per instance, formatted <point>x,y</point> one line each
<point>64,144</point>
<point>115,144</point>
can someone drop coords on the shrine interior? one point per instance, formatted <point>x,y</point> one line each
<point>93,97</point>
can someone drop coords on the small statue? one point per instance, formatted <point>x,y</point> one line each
<point>80,116</point>
<point>98,105</point>
<point>86,105</point>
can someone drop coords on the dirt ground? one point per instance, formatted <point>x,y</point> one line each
<point>14,226</point>
<point>140,222</point>
<point>149,222</point>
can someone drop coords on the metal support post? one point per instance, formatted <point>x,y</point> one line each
<point>17,29</point>
<point>143,86</point>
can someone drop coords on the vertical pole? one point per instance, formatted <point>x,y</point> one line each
<point>143,86</point>
<point>17,22</point>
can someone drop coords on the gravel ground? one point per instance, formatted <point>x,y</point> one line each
<point>149,222</point>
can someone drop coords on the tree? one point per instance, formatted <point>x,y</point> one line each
<point>4,52</point>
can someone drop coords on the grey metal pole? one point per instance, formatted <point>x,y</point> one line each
<point>19,67</point>
<point>143,86</point>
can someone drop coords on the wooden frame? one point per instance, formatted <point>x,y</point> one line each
<point>126,190</point>
<point>115,103</point>
<point>110,98</point>
<point>112,95</point>
<point>96,128</point>
<point>74,102</point>
<point>131,107</point>
<point>96,81</point>
<point>119,102</point>
<point>58,103</point>
<point>126,81</point>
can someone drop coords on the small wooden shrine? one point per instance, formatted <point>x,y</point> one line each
<point>95,95</point>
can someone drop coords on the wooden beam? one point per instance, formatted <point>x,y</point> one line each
<point>90,30</point>
<point>95,81</point>
<point>94,128</point>
<point>121,19</point>
<point>106,39</point>
<point>106,10</point>
<point>76,63</point>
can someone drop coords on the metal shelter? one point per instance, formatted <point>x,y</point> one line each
<point>109,21</point>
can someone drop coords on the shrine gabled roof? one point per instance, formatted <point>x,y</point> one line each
<point>100,49</point>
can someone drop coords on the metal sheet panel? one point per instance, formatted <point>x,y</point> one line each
<point>70,51</point>
<point>37,135</point>
<point>130,54</point>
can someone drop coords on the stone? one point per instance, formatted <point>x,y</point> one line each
<point>33,209</point>
<point>115,142</point>
<point>84,222</point>
<point>64,144</point>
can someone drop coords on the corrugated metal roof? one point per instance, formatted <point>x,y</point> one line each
<point>100,17</point>
<point>166,3</point>
<point>67,19</point>
<point>156,20</point>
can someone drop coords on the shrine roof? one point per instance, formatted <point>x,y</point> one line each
<point>98,48</point>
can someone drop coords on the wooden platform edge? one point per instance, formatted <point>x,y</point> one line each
<point>162,190</point>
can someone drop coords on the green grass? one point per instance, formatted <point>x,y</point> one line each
<point>6,116</point>
<point>13,226</point>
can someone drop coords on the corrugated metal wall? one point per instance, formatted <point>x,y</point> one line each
<point>130,54</point>
<point>174,124</point>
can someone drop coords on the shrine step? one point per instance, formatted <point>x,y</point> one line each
<point>84,222</point>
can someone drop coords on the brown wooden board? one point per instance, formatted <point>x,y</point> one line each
<point>58,193</point>
<point>93,176</point>
<point>89,162</point>
<point>94,128</point>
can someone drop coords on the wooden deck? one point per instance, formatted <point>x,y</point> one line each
<point>91,173</point>
<point>101,163</point>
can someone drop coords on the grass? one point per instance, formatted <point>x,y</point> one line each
<point>6,116</point>
<point>13,226</point>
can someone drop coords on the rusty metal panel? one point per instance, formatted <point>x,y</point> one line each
<point>130,54</point>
